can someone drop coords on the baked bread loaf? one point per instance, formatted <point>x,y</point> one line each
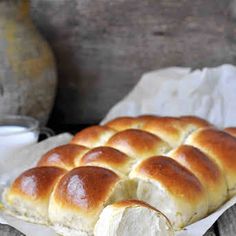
<point>173,130</point>
<point>93,136</point>
<point>121,160</point>
<point>221,148</point>
<point>124,123</point>
<point>206,170</point>
<point>133,218</point>
<point>231,130</point>
<point>138,144</point>
<point>170,129</point>
<point>28,196</point>
<point>109,158</point>
<point>64,156</point>
<point>80,196</point>
<point>171,188</point>
<point>195,122</point>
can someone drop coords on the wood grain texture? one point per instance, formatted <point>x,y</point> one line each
<point>6,230</point>
<point>211,232</point>
<point>227,222</point>
<point>103,46</point>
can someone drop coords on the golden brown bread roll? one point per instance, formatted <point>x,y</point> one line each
<point>145,118</point>
<point>138,144</point>
<point>171,188</point>
<point>80,196</point>
<point>195,122</point>
<point>93,136</point>
<point>133,218</point>
<point>206,170</point>
<point>64,156</point>
<point>171,130</point>
<point>231,131</point>
<point>128,122</point>
<point>109,158</point>
<point>220,147</point>
<point>123,123</point>
<point>28,196</point>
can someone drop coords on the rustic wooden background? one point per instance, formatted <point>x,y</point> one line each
<point>103,46</point>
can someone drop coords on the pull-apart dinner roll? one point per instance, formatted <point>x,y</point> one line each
<point>220,147</point>
<point>93,136</point>
<point>109,158</point>
<point>79,198</point>
<point>64,156</point>
<point>28,196</point>
<point>138,144</point>
<point>195,122</point>
<point>206,170</point>
<point>231,130</point>
<point>171,188</point>
<point>171,130</point>
<point>132,218</point>
<point>146,118</point>
<point>128,122</point>
<point>123,123</point>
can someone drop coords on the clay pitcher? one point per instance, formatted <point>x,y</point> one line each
<point>27,67</point>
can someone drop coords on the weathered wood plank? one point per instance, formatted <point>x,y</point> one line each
<point>211,232</point>
<point>6,230</point>
<point>227,222</point>
<point>103,46</point>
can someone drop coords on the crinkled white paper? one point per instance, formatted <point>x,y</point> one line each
<point>209,93</point>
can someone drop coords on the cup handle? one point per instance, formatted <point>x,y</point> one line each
<point>47,132</point>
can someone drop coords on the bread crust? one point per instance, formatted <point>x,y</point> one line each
<point>93,136</point>
<point>64,156</point>
<point>138,144</point>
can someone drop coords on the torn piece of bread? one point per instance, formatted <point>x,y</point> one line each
<point>132,218</point>
<point>206,170</point>
<point>171,188</point>
<point>221,148</point>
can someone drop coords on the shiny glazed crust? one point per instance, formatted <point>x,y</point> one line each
<point>137,143</point>
<point>220,147</point>
<point>176,178</point>
<point>64,156</point>
<point>84,189</point>
<point>231,131</point>
<point>93,136</point>
<point>36,183</point>
<point>107,157</point>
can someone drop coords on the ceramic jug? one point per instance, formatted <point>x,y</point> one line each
<point>27,66</point>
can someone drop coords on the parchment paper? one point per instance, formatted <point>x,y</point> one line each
<point>208,93</point>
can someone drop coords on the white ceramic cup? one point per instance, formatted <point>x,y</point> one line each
<point>17,132</point>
